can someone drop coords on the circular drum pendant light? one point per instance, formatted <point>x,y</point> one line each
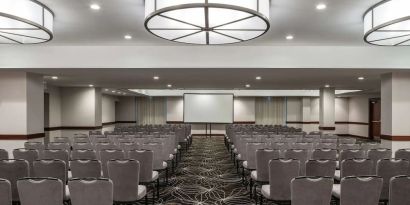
<point>207,22</point>
<point>25,22</point>
<point>388,23</point>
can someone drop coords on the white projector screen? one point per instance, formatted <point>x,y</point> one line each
<point>208,108</point>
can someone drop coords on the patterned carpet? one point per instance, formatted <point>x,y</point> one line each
<point>206,175</point>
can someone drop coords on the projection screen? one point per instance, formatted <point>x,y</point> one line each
<point>208,108</point>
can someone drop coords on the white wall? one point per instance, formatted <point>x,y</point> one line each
<point>54,106</point>
<point>126,109</point>
<point>79,106</point>
<point>175,109</point>
<point>244,109</point>
<point>108,108</point>
<point>359,112</point>
<point>342,115</point>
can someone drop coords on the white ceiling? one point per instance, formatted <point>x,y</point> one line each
<point>340,24</point>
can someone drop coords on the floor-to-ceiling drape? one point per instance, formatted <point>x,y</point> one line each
<point>270,110</point>
<point>151,110</point>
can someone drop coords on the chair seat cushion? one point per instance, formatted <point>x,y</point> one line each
<point>337,175</point>
<point>142,191</point>
<point>336,190</point>
<point>254,175</point>
<point>266,191</point>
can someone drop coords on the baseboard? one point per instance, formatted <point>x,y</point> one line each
<point>350,135</point>
<point>207,135</point>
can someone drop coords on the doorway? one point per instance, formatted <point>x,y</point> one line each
<point>374,118</point>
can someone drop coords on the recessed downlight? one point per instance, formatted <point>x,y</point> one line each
<point>327,86</point>
<point>248,85</point>
<point>321,6</point>
<point>258,78</point>
<point>156,77</point>
<point>106,90</point>
<point>169,85</point>
<point>95,7</point>
<point>290,37</point>
<point>360,78</point>
<point>128,37</point>
<point>90,85</point>
<point>113,91</point>
<point>54,77</point>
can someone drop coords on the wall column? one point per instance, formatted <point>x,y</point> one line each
<point>395,110</point>
<point>21,108</point>
<point>327,110</point>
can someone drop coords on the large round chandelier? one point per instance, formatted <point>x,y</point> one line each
<point>25,22</point>
<point>207,22</point>
<point>388,23</point>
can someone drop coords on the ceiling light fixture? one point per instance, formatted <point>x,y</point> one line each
<point>207,22</point>
<point>387,23</point>
<point>113,91</point>
<point>321,6</point>
<point>54,77</point>
<point>247,85</point>
<point>327,86</point>
<point>128,37</point>
<point>360,78</point>
<point>91,85</point>
<point>289,37</point>
<point>156,78</point>
<point>25,22</point>
<point>169,85</point>
<point>95,7</point>
<point>258,78</point>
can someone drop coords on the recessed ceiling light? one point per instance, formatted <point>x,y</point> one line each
<point>258,78</point>
<point>327,86</point>
<point>169,85</point>
<point>289,37</point>
<point>95,7</point>
<point>54,77</point>
<point>113,91</point>
<point>90,85</point>
<point>360,78</point>
<point>106,90</point>
<point>156,78</point>
<point>321,6</point>
<point>128,37</point>
<point>247,85</point>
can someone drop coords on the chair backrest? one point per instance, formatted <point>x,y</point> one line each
<point>128,146</point>
<point>125,177</point>
<point>321,168</point>
<point>59,145</point>
<point>109,154</point>
<point>370,145</point>
<point>352,154</point>
<point>402,154</point>
<point>377,154</point>
<point>311,190</point>
<point>349,146</point>
<point>263,156</point>
<point>12,170</point>
<point>356,167</point>
<point>303,145</point>
<point>83,154</point>
<point>157,148</point>
<point>281,173</point>
<point>280,146</point>
<point>4,154</point>
<point>347,140</point>
<point>5,190</point>
<point>251,153</point>
<point>53,168</point>
<point>330,154</point>
<point>299,154</point>
<point>399,190</point>
<point>326,146</point>
<point>62,139</point>
<point>388,168</point>
<point>81,139</point>
<point>146,160</point>
<point>60,154</point>
<point>82,145</point>
<point>27,154</point>
<point>85,168</point>
<point>91,191</point>
<point>360,190</point>
<point>39,146</point>
<point>40,191</point>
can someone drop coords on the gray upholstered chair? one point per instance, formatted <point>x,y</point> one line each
<point>321,168</point>
<point>82,145</point>
<point>159,163</point>
<point>349,146</point>
<point>281,173</point>
<point>62,139</point>
<point>5,190</point>
<point>328,140</point>
<point>27,154</point>
<point>107,155</point>
<point>86,168</point>
<point>377,154</point>
<point>147,174</point>
<point>39,146</point>
<point>370,145</point>
<point>59,145</point>
<point>389,168</point>
<point>102,146</point>
<point>299,154</point>
<point>60,154</point>
<point>353,190</point>
<point>83,154</point>
<point>125,177</point>
<point>4,154</point>
<point>261,174</point>
<point>128,146</point>
<point>81,139</point>
<point>40,191</point>
<point>311,190</point>
<point>53,168</point>
<point>351,154</point>
<point>354,167</point>
<point>402,154</point>
<point>330,154</point>
<point>347,140</point>
<point>12,170</point>
<point>91,191</point>
<point>323,145</point>
<point>251,148</point>
<point>281,146</point>
<point>399,190</point>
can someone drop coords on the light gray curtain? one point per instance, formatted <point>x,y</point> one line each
<point>270,110</point>
<point>151,110</point>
